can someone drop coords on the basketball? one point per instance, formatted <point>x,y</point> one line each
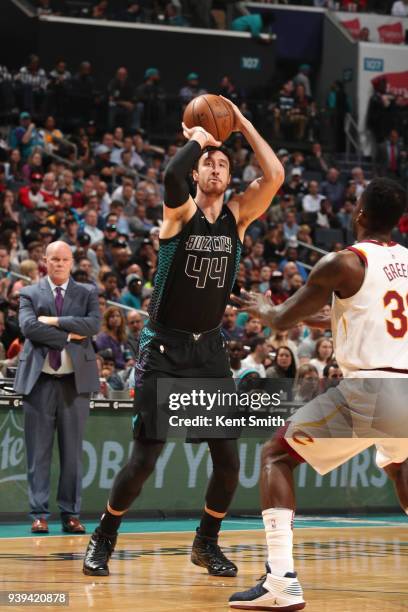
<point>212,113</point>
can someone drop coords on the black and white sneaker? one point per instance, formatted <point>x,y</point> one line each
<point>98,553</point>
<point>206,553</point>
<point>271,593</point>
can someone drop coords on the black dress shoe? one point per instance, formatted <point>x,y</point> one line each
<point>206,553</point>
<point>98,553</point>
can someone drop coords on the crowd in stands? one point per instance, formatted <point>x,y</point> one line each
<point>199,13</point>
<point>100,189</point>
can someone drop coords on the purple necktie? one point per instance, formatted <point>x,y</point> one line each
<point>54,356</point>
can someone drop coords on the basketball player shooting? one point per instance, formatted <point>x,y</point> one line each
<point>182,337</point>
<point>368,285</point>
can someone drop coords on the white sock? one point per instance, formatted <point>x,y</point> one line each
<point>278,524</point>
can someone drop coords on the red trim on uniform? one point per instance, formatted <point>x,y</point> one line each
<point>280,436</point>
<point>359,254</point>
<point>391,243</point>
<point>384,370</point>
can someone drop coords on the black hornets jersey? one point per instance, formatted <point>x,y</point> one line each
<point>196,272</point>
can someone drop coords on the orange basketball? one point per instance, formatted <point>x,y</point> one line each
<point>212,113</point>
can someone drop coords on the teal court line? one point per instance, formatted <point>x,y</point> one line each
<point>20,530</point>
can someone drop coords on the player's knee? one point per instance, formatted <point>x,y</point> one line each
<point>228,474</point>
<point>272,452</point>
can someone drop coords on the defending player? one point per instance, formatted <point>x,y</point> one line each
<point>368,284</point>
<point>200,247</point>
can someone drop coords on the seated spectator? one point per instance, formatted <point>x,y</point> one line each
<point>290,227</point>
<point>300,112</point>
<point>283,365</point>
<point>132,297</point>
<point>110,286</point>
<point>252,170</point>
<point>134,12</point>
<point>113,335</point>
<point>51,135</point>
<point>256,357</point>
<point>326,216</point>
<point>345,215</point>
<point>303,78</point>
<point>28,268</point>
<point>192,88</point>
<point>135,323</point>
<point>323,354</point>
<point>332,375</point>
<point>359,179</point>
<point>70,236</point>
<point>236,355</point>
<point>311,201</point>
<point>30,196</point>
<point>292,257</point>
<point>295,283</point>
<point>278,293</point>
<point>333,189</point>
<point>265,276</point>
<point>112,378</point>
<point>25,137</point>
<point>317,161</point>
<point>230,329</point>
<point>14,168</point>
<point>283,110</point>
<point>91,226</point>
<point>306,385</point>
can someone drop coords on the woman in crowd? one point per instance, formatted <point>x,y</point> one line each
<point>113,336</point>
<point>283,365</point>
<point>306,383</point>
<point>323,354</point>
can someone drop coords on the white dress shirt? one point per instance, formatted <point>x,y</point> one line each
<point>66,366</point>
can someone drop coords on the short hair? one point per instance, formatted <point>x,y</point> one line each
<point>255,342</point>
<point>384,201</point>
<point>223,150</point>
<point>331,364</point>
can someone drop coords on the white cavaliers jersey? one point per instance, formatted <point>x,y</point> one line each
<point>370,329</point>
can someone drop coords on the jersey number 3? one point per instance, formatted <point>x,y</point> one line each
<point>397,314</point>
<point>215,268</point>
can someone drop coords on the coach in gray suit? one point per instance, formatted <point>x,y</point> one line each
<point>56,374</point>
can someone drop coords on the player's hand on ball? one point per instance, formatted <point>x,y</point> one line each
<point>202,136</point>
<point>255,304</point>
<point>239,119</point>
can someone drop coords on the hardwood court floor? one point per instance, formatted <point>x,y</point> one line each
<point>349,568</point>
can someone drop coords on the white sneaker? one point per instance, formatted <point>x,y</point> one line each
<point>271,593</point>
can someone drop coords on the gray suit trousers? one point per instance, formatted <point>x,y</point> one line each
<point>55,405</point>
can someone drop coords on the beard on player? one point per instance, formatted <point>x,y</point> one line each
<point>212,185</point>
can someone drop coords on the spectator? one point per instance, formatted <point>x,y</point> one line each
<point>236,354</point>
<point>113,335</point>
<point>151,105</point>
<point>110,286</point>
<point>31,84</point>
<point>121,92</point>
<point>323,354</point>
<point>90,227</point>
<point>255,359</point>
<point>389,155</point>
<point>135,325</point>
<point>51,136</point>
<point>30,196</point>
<point>25,137</point>
<point>317,161</point>
<point>134,12</point>
<point>311,201</point>
<point>278,294</point>
<point>333,189</point>
<point>326,216</point>
<point>303,78</point>
<point>58,88</point>
<point>192,88</point>
<point>265,278</point>
<point>83,97</point>
<point>306,383</point>
<point>345,215</point>
<point>359,179</point>
<point>332,375</point>
<point>252,329</point>
<point>132,297</point>
<point>45,7</point>
<point>230,329</point>
<point>283,365</point>
<point>229,90</point>
<point>290,227</point>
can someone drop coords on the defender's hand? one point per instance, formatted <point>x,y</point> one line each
<point>255,304</point>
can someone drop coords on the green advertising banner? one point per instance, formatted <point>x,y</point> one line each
<point>182,472</point>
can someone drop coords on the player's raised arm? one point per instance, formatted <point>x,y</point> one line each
<point>336,272</point>
<point>178,204</point>
<point>259,194</point>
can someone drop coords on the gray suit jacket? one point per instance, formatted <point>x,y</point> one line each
<point>80,315</point>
